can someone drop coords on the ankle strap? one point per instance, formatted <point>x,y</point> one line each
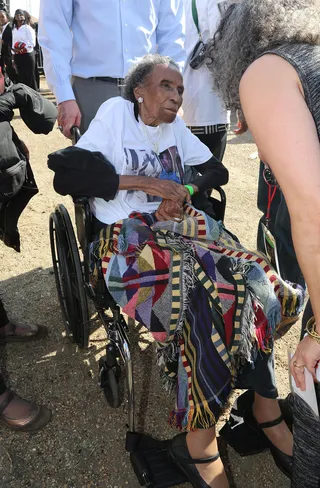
<point>6,401</point>
<point>272,423</point>
<point>207,460</point>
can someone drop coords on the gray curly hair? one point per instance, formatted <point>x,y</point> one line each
<point>251,27</point>
<point>141,70</point>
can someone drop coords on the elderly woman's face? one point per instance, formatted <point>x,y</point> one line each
<point>162,95</point>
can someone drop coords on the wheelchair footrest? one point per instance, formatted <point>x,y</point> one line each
<point>151,462</point>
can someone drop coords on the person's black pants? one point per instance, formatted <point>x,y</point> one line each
<point>3,315</point>
<point>215,142</point>
<point>26,68</point>
<point>307,314</point>
<point>8,69</point>
<point>3,387</point>
<point>280,228</point>
<point>3,321</point>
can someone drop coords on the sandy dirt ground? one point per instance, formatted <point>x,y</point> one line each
<point>83,446</point>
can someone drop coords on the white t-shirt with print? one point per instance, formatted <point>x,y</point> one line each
<point>117,134</point>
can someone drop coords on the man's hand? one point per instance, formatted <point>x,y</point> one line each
<point>69,116</point>
<point>169,210</point>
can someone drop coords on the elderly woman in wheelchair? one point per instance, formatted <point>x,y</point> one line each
<point>212,306</point>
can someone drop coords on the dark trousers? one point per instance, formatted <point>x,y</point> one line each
<point>3,321</point>
<point>215,142</point>
<point>259,376</point>
<point>3,315</point>
<point>9,69</point>
<point>26,69</point>
<point>280,227</point>
<point>308,313</point>
<point>2,385</point>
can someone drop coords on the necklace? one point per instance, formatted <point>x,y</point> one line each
<point>154,143</point>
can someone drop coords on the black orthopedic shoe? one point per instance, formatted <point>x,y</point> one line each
<point>283,461</point>
<point>244,436</point>
<point>179,453</point>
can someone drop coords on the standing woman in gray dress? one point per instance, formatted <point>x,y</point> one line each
<point>265,60</point>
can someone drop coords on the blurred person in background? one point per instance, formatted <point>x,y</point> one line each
<point>6,46</point>
<point>23,46</point>
<point>88,50</point>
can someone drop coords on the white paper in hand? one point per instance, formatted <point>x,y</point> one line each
<point>309,394</point>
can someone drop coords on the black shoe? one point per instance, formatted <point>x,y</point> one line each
<point>179,453</point>
<point>283,461</point>
<point>243,436</point>
<point>244,439</point>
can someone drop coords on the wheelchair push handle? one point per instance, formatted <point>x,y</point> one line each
<point>75,133</point>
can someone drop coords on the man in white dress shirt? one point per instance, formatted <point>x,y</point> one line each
<point>204,111</point>
<point>88,48</point>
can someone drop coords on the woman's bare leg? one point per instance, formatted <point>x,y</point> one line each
<point>266,410</point>
<point>201,444</point>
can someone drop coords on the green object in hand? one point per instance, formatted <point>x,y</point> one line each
<point>190,189</point>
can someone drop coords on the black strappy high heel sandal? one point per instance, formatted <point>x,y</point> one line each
<point>283,461</point>
<point>179,453</point>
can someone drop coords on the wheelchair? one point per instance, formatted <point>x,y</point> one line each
<point>149,457</point>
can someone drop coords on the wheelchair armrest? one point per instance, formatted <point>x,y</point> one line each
<point>222,194</point>
<point>219,205</point>
<point>80,200</point>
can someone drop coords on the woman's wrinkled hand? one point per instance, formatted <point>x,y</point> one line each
<point>169,210</point>
<point>307,355</point>
<point>168,190</point>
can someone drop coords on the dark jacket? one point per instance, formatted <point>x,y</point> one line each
<point>82,173</point>
<point>17,184</point>
<point>6,58</point>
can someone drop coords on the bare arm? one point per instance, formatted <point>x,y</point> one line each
<point>285,133</point>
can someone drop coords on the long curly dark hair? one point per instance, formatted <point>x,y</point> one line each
<point>251,27</point>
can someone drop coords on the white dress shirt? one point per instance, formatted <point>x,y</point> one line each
<point>105,37</point>
<point>201,105</point>
<point>25,34</point>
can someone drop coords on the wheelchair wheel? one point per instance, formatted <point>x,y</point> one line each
<point>110,382</point>
<point>69,278</point>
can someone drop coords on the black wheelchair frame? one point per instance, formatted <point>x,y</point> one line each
<point>148,456</point>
